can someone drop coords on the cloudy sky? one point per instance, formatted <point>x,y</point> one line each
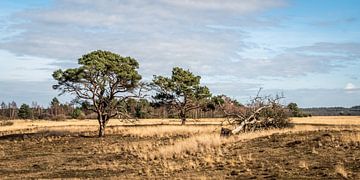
<point>308,50</point>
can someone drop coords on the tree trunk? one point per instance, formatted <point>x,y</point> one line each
<point>102,130</point>
<point>182,117</point>
<point>102,124</point>
<point>239,128</point>
<point>183,120</point>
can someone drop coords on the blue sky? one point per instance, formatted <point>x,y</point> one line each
<point>308,50</point>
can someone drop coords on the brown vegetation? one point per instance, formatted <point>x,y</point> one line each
<point>70,149</point>
<point>6,123</point>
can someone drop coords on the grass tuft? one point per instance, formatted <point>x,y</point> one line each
<point>6,123</point>
<point>340,170</point>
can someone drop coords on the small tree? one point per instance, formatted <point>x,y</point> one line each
<point>77,114</point>
<point>12,110</point>
<point>104,79</point>
<point>294,109</point>
<point>25,112</point>
<point>181,91</point>
<point>3,109</point>
<point>138,108</point>
<point>55,106</point>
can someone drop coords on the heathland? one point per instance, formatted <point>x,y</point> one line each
<point>316,147</point>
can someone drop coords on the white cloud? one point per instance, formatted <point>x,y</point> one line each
<point>349,51</point>
<point>162,35</point>
<point>350,87</point>
<point>159,34</point>
<point>207,36</point>
<point>29,91</point>
<point>239,6</point>
<point>25,68</point>
<point>319,97</point>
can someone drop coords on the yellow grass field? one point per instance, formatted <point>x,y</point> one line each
<point>93,124</point>
<point>27,126</point>
<point>331,120</point>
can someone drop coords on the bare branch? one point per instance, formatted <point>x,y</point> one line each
<point>262,113</point>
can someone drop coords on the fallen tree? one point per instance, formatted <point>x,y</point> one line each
<point>261,113</point>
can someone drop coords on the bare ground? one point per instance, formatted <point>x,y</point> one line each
<point>192,152</point>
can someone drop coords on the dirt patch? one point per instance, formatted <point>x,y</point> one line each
<point>317,154</point>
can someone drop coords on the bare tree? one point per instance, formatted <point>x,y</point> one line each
<point>12,110</point>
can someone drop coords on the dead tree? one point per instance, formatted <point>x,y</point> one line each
<point>261,113</point>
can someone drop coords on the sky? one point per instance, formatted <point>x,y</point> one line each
<point>307,50</point>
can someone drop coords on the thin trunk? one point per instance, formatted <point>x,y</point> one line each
<point>183,120</point>
<point>102,130</point>
<point>183,117</point>
<point>102,124</point>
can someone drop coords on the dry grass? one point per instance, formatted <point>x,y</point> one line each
<point>304,165</point>
<point>340,169</point>
<point>192,145</point>
<point>80,124</point>
<point>167,130</point>
<point>165,148</point>
<point>353,137</point>
<point>189,139</point>
<point>31,124</point>
<point>6,123</point>
<point>165,127</point>
<point>328,120</point>
<point>209,142</point>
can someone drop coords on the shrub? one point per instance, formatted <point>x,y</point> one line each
<point>25,112</point>
<point>78,114</point>
<point>60,117</point>
<point>6,123</point>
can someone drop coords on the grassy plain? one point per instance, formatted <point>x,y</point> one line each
<point>317,147</point>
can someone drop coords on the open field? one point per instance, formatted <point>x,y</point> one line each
<point>92,125</point>
<point>330,120</point>
<point>317,147</point>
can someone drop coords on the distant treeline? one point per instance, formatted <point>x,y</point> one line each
<point>333,111</point>
<point>60,111</point>
<point>144,109</point>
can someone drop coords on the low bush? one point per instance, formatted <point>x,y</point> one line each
<point>60,117</point>
<point>6,123</point>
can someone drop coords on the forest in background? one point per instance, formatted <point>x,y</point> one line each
<point>333,111</point>
<point>144,109</point>
<point>60,111</point>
